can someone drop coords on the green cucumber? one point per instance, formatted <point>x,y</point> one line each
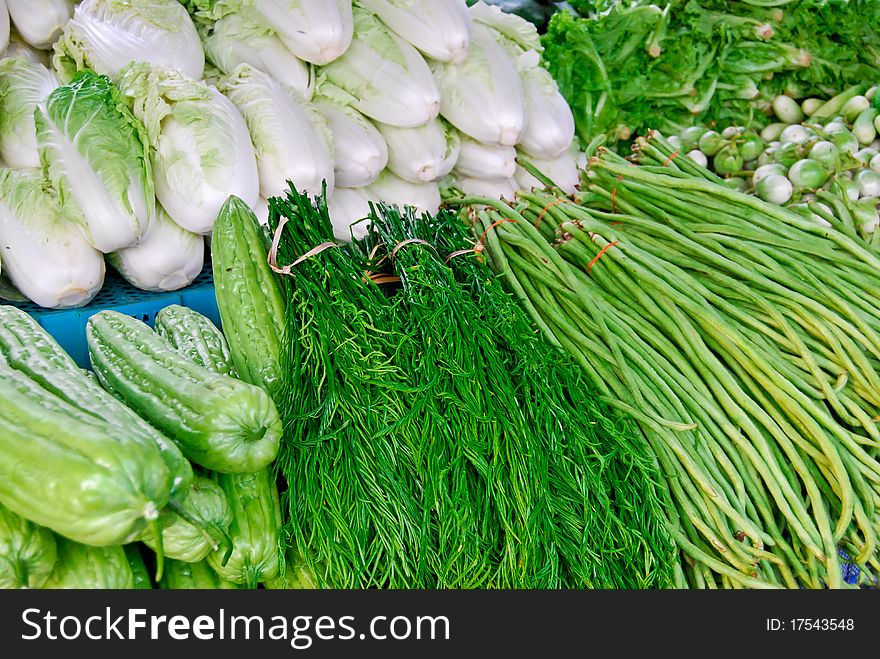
<point>249,296</point>
<point>196,338</point>
<point>207,514</point>
<point>220,423</point>
<point>27,552</point>
<point>193,576</point>
<point>28,348</point>
<point>83,567</point>
<point>68,471</point>
<point>255,529</point>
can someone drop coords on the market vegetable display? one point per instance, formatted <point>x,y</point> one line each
<point>434,491</point>
<point>819,159</point>
<point>150,113</point>
<point>219,422</point>
<point>27,552</point>
<point>741,342</point>
<point>626,67</point>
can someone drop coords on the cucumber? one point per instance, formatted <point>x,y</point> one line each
<point>255,529</point>
<point>139,571</point>
<point>249,296</point>
<point>83,567</point>
<point>64,469</point>
<point>196,338</point>
<point>193,576</point>
<point>27,552</point>
<point>220,423</point>
<point>28,348</point>
<point>206,513</point>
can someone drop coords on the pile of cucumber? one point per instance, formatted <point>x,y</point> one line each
<point>820,158</point>
<point>155,467</point>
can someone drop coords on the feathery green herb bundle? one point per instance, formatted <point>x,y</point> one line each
<point>607,500</point>
<point>354,498</point>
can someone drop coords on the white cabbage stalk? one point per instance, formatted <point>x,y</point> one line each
<point>201,148</point>
<point>95,152</point>
<point>317,31</point>
<point>168,257</point>
<point>360,152</point>
<point>523,34</point>
<point>550,124</point>
<point>4,26</point>
<point>423,154</point>
<point>394,191</point>
<point>488,162</point>
<point>483,97</point>
<point>106,35</point>
<point>44,253</point>
<point>388,79</point>
<point>563,171</point>
<point>549,129</point>
<point>39,22</point>
<point>441,29</point>
<point>23,86</point>
<point>237,39</point>
<point>261,210</point>
<point>19,49</point>
<point>290,137</point>
<point>476,187</point>
<point>347,208</point>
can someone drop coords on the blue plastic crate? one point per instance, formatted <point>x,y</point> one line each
<point>68,326</point>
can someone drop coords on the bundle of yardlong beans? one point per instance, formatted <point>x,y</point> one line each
<point>742,336</point>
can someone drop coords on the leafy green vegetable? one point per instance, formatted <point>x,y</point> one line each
<point>636,66</point>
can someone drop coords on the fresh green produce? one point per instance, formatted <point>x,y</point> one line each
<point>105,35</point>
<point>193,576</point>
<point>27,552</point>
<point>195,337</point>
<point>51,448</point>
<point>347,207</point>
<point>23,86</point>
<point>295,574</point>
<point>167,258</point>
<point>290,137</point>
<point>395,191</point>
<point>27,348</point>
<point>440,29</point>
<point>139,572</point>
<point>820,167</point>
<point>317,31</point>
<point>84,567</point>
<point>39,22</point>
<point>254,552</point>
<point>94,152</point>
<point>740,336</point>
<point>197,526</point>
<point>200,147</point>
<point>438,484</point>
<point>219,422</point>
<point>388,79</point>
<point>634,66</point>
<point>44,254</point>
<point>249,297</point>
